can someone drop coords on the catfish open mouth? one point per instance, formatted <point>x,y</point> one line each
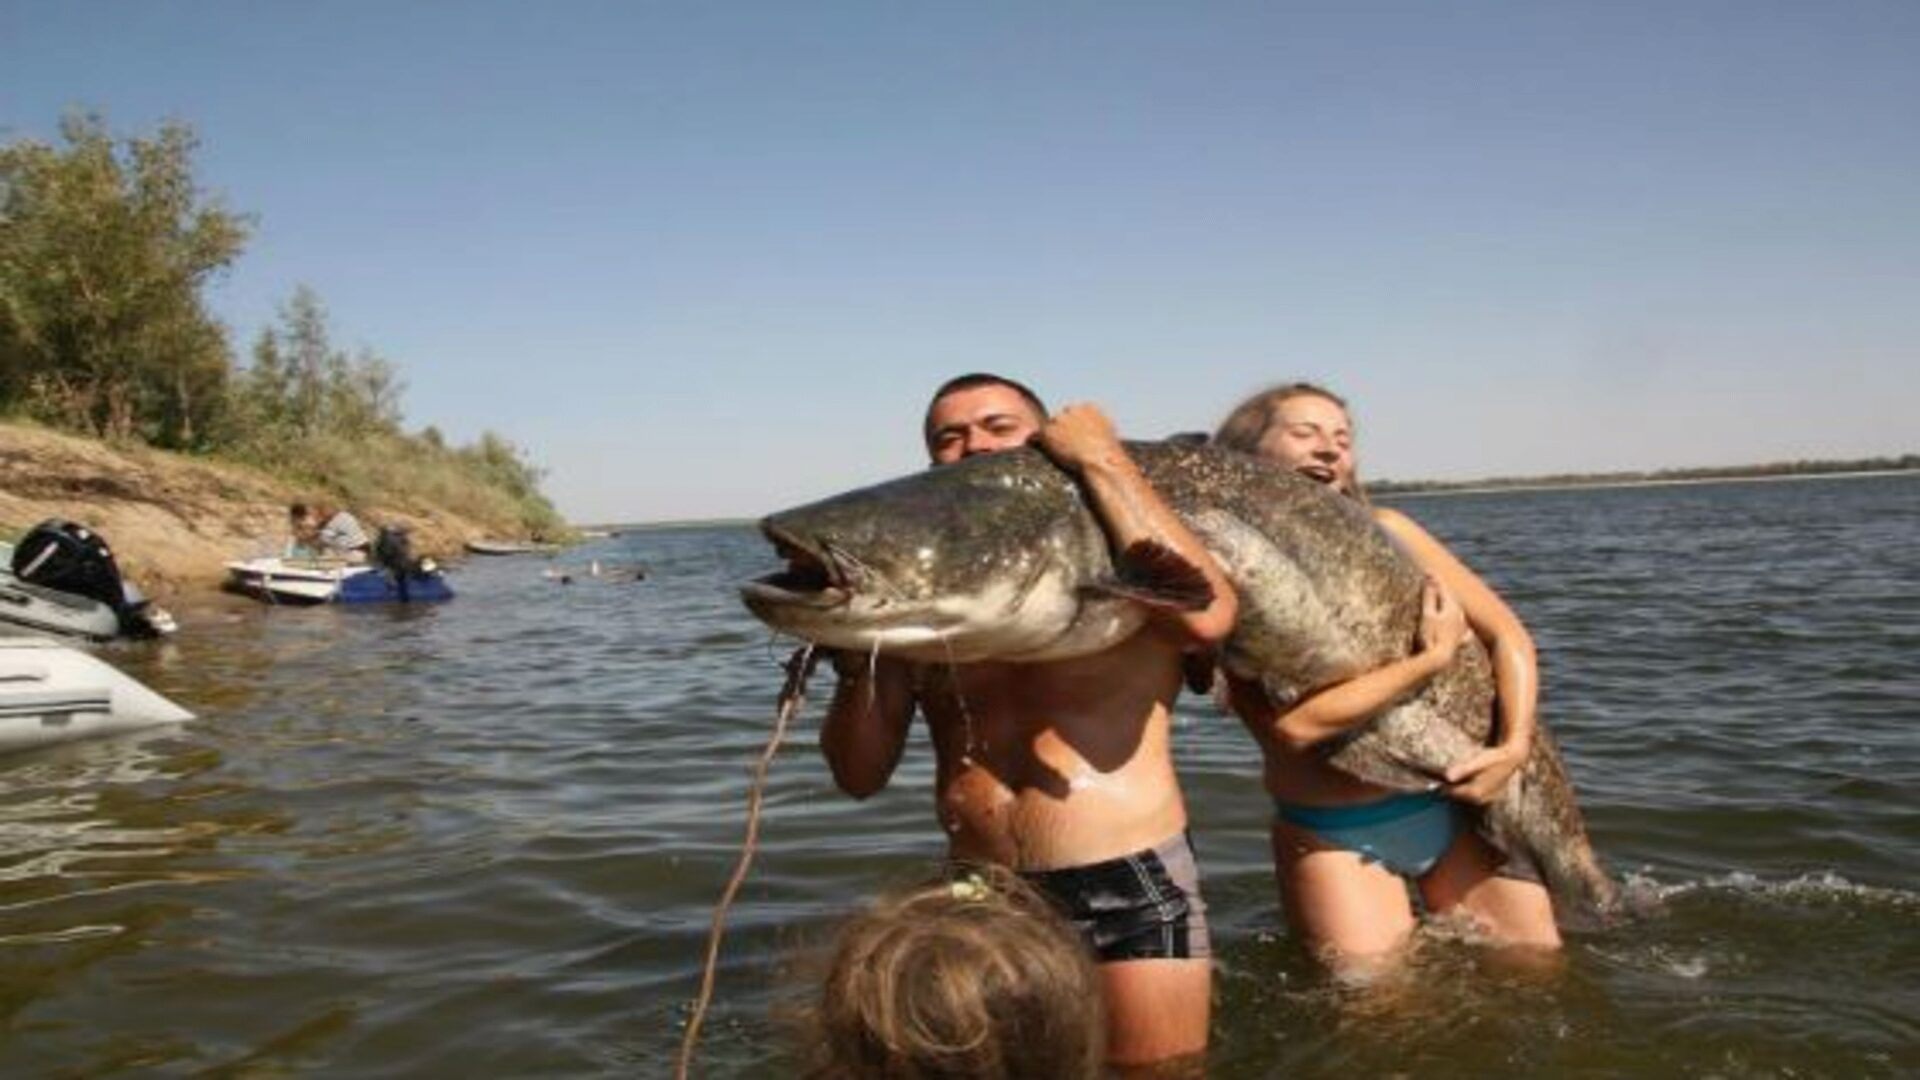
<point>808,576</point>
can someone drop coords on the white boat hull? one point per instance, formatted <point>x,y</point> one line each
<point>34,608</point>
<point>286,581</point>
<point>52,694</point>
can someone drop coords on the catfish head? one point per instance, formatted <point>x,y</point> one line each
<point>995,557</point>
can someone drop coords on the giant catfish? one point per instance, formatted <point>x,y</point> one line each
<point>998,557</point>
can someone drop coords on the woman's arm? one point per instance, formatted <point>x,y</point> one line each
<point>1480,777</point>
<point>1335,709</point>
<point>865,729</point>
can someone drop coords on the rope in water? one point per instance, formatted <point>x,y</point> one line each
<point>792,695</point>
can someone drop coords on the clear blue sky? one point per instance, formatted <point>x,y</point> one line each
<point>708,259</point>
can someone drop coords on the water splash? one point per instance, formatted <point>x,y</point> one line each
<point>1816,886</point>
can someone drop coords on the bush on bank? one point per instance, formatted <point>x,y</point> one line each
<point>105,248</point>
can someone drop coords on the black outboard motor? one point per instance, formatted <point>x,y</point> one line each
<point>393,552</point>
<point>69,557</point>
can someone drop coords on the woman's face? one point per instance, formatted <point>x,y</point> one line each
<point>1312,436</point>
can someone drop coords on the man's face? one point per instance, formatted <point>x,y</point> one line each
<point>979,420</point>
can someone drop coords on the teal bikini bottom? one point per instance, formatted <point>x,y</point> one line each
<point>1406,833</point>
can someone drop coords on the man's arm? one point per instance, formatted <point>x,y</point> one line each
<point>865,729</point>
<point>1081,440</point>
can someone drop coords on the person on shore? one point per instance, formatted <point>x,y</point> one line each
<point>1062,770</point>
<point>328,532</point>
<point>972,976</point>
<point>1344,850</point>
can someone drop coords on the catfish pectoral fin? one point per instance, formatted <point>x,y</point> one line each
<point>1158,576</point>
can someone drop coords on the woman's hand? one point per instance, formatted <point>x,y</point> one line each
<point>1443,625</point>
<point>1480,777</point>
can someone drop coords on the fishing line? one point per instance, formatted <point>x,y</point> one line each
<point>960,698</point>
<point>792,694</point>
<point>873,676</point>
<point>773,638</point>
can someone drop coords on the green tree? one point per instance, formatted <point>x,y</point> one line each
<point>496,462</point>
<point>300,389</point>
<point>308,349</point>
<point>104,248</point>
<point>363,396</point>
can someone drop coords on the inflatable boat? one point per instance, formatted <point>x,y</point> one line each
<point>292,581</point>
<point>391,574</point>
<point>50,693</point>
<point>31,607</point>
<point>326,581</point>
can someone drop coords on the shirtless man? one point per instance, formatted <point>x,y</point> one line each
<point>1062,771</point>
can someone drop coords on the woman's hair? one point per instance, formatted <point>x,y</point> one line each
<point>973,977</point>
<point>1249,422</point>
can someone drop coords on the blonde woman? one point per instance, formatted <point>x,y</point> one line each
<point>1345,850</point>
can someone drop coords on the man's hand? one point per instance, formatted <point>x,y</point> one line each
<point>1080,437</point>
<point>1081,440</point>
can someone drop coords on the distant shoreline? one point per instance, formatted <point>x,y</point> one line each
<point>1474,487</point>
<point>1387,489</point>
<point>619,528</point>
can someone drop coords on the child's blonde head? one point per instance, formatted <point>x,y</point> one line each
<point>973,977</point>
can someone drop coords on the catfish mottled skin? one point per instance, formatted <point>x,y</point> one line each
<point>998,557</point>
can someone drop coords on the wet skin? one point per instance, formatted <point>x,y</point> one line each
<point>1002,558</point>
<point>1046,765</point>
<point>1038,766</point>
<point>1352,912</point>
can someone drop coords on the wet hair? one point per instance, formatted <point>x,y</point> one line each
<point>973,976</point>
<point>1249,422</point>
<point>974,380</point>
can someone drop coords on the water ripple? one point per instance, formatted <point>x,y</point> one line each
<point>486,838</point>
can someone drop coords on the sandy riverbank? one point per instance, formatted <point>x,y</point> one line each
<point>173,520</point>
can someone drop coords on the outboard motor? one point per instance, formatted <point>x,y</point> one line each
<point>393,552</point>
<point>69,557</point>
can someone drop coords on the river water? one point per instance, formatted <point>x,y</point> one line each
<point>485,838</point>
